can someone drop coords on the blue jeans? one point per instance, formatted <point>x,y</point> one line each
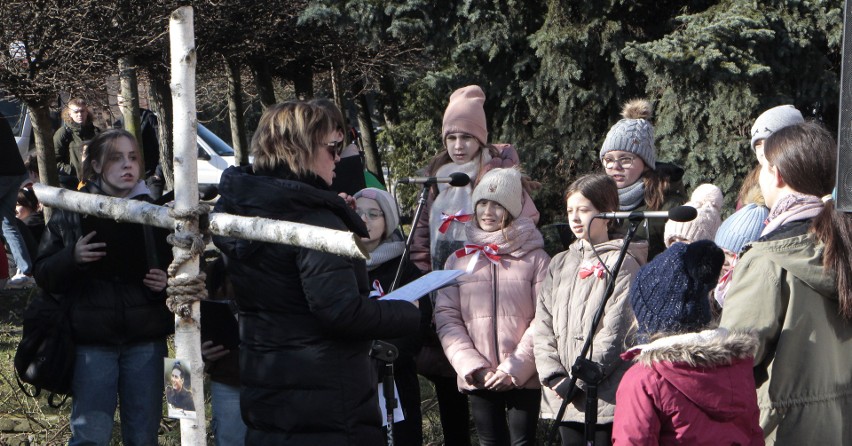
<point>103,375</point>
<point>9,187</point>
<point>228,426</point>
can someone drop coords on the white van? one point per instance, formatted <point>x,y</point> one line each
<point>214,155</point>
<point>16,113</point>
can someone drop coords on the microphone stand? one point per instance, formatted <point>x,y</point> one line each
<point>387,353</point>
<point>592,373</point>
<point>421,201</point>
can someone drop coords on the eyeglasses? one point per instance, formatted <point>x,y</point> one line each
<point>369,214</point>
<point>625,162</point>
<point>335,148</point>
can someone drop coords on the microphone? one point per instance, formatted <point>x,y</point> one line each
<point>455,179</point>
<point>680,213</point>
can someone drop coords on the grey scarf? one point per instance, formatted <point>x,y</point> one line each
<point>387,250</point>
<point>631,197</point>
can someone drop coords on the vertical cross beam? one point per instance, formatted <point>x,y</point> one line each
<point>187,336</point>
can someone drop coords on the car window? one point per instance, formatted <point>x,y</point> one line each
<point>13,111</point>
<point>220,147</point>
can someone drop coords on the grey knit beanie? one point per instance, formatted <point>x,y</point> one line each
<point>387,205</point>
<point>634,133</point>
<point>742,227</point>
<point>774,119</point>
<point>502,186</point>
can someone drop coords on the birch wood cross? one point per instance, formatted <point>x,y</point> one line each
<point>187,334</point>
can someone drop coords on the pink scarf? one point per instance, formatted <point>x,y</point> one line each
<point>790,208</point>
<point>520,237</point>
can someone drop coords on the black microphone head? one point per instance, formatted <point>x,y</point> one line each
<point>461,179</point>
<point>683,213</point>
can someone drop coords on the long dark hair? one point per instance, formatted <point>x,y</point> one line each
<point>656,187</point>
<point>600,189</point>
<point>806,158</point>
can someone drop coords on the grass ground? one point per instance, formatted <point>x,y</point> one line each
<point>30,421</point>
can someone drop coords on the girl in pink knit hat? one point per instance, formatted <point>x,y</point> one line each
<point>441,230</point>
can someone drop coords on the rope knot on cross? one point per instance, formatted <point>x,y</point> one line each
<point>184,291</point>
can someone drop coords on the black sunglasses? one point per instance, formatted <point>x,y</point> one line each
<point>335,148</point>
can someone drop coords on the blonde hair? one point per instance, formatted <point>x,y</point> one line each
<point>79,102</point>
<point>288,135</point>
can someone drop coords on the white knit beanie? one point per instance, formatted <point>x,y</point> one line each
<point>502,186</point>
<point>774,119</point>
<point>634,133</point>
<point>386,203</point>
<point>707,200</point>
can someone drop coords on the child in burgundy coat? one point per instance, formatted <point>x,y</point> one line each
<point>687,387</point>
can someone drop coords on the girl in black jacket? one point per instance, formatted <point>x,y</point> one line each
<point>115,274</point>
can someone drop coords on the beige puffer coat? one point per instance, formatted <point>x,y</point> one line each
<point>566,306</point>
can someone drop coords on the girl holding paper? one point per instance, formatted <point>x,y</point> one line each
<point>379,211</point>
<point>484,321</point>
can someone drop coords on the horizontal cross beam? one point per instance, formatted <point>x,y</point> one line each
<point>246,228</point>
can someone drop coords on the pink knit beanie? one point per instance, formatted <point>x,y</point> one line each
<point>465,114</point>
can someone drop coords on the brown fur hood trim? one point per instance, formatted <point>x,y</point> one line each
<point>709,348</point>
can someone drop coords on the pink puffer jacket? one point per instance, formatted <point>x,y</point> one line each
<point>485,320</point>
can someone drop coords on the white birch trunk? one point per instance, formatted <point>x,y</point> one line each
<point>187,333</point>
<point>247,228</point>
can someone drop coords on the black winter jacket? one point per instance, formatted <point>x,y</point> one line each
<point>111,304</point>
<point>11,163</point>
<point>306,322</point>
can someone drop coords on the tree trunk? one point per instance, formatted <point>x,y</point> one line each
<point>390,106</point>
<point>45,152</point>
<point>263,80</point>
<point>187,336</point>
<point>368,139</point>
<point>302,72</point>
<point>338,100</point>
<point>235,112</point>
<point>130,94</point>
<point>160,100</point>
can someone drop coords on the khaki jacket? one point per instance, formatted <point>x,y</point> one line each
<point>803,365</point>
<point>566,307</point>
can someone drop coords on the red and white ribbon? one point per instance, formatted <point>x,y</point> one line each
<point>377,291</point>
<point>489,250</point>
<point>459,216</point>
<point>724,283</point>
<point>589,269</point>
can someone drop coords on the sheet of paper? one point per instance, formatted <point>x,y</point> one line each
<point>424,285</point>
<point>397,411</point>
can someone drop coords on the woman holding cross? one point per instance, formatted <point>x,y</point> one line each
<point>306,321</point>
